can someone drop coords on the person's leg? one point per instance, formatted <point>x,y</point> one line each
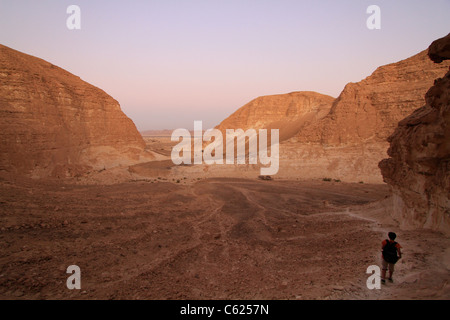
<point>391,271</point>
<point>384,266</point>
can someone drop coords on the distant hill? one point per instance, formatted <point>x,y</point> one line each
<point>286,112</point>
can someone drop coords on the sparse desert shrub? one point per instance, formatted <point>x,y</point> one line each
<point>361,182</point>
<point>337,180</point>
<point>326,179</point>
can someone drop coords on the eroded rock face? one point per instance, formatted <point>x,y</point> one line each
<point>418,169</point>
<point>370,110</point>
<point>55,124</point>
<point>343,138</point>
<point>439,50</point>
<point>349,142</point>
<point>286,112</point>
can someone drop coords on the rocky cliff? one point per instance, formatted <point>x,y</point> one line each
<point>286,112</point>
<point>343,138</point>
<point>370,109</point>
<point>418,169</point>
<point>55,124</point>
<point>350,140</point>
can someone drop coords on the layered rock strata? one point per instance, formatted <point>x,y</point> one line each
<point>418,169</point>
<point>55,124</point>
<point>344,138</point>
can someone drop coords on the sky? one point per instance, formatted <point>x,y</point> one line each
<point>170,62</point>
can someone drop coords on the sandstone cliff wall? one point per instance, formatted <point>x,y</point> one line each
<point>286,112</point>
<point>55,124</point>
<point>348,143</point>
<point>418,169</point>
<point>343,138</point>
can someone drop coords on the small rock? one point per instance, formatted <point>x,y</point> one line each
<point>19,293</point>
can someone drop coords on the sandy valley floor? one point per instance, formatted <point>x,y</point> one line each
<point>210,239</point>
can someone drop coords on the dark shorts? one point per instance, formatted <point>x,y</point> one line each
<point>386,265</point>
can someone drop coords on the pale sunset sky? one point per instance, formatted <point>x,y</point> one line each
<point>169,62</point>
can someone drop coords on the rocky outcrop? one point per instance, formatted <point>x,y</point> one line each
<point>286,112</point>
<point>343,138</point>
<point>370,110</point>
<point>55,124</point>
<point>349,142</point>
<point>418,169</point>
<point>439,50</point>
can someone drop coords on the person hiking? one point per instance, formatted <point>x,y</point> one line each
<point>391,253</point>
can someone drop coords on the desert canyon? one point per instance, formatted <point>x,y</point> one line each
<point>79,185</point>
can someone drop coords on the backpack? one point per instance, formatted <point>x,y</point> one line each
<point>390,252</point>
